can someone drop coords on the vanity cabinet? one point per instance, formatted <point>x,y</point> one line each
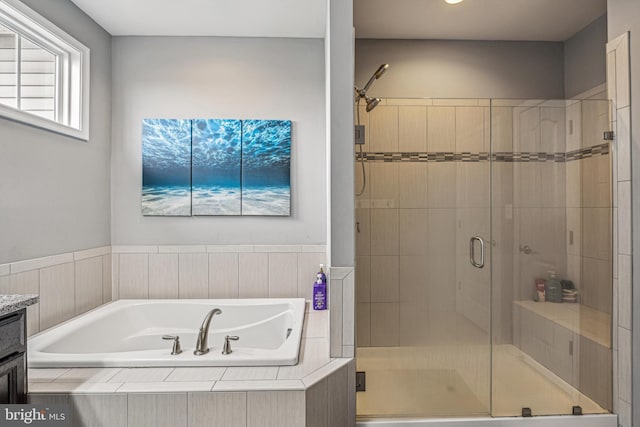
<point>13,360</point>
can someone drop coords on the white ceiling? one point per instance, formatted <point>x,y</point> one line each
<point>533,20</point>
<point>230,18</point>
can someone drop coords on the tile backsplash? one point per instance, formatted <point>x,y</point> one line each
<point>73,283</point>
<point>68,284</point>
<point>239,271</point>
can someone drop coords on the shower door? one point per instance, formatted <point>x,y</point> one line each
<point>467,204</point>
<point>551,215</point>
<point>423,311</point>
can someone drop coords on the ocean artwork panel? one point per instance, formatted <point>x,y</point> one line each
<point>166,167</point>
<point>216,167</point>
<point>266,167</point>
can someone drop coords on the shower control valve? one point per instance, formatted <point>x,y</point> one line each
<point>526,249</point>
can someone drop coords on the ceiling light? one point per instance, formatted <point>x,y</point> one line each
<point>453,1</point>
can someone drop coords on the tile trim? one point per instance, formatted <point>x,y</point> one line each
<point>181,249</point>
<point>468,157</point>
<point>63,258</point>
<point>259,385</point>
<point>166,387</point>
<point>134,249</point>
<point>91,253</point>
<point>37,263</point>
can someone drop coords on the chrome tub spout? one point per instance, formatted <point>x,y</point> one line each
<point>203,334</point>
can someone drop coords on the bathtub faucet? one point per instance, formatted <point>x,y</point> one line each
<point>201,344</point>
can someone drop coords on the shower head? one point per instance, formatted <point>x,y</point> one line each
<point>361,93</point>
<point>371,103</point>
<point>379,72</point>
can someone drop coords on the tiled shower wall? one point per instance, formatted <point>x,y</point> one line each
<point>426,184</point>
<point>72,283</point>
<point>539,196</point>
<point>618,82</point>
<point>562,208</point>
<point>589,205</point>
<point>428,190</point>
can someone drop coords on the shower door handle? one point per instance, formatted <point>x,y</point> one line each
<point>472,252</point>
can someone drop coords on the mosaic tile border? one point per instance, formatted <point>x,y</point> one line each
<point>596,150</point>
<point>509,157</point>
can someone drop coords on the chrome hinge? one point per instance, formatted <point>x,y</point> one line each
<point>608,135</point>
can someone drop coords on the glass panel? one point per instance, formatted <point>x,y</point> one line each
<point>423,310</point>
<point>552,269</point>
<point>37,86</point>
<point>8,68</point>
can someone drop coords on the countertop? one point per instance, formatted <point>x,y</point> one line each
<point>14,302</point>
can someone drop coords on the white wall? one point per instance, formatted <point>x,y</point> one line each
<point>461,69</point>
<point>207,77</point>
<point>55,189</point>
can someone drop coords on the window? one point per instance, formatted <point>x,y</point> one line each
<point>44,73</point>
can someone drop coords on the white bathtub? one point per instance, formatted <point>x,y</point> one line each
<point>128,333</point>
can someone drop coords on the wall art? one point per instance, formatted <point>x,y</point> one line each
<point>216,167</point>
<point>166,167</point>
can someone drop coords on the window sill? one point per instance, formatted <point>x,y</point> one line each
<point>42,123</point>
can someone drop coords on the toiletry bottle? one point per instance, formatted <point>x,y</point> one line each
<point>553,291</point>
<point>320,291</point>
<point>539,290</point>
<point>321,274</point>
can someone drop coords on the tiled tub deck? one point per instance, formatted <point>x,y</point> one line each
<point>311,393</point>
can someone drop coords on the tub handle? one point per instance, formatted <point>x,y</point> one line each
<point>226,349</point>
<point>176,343</point>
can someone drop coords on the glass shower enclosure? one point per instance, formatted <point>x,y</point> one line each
<point>483,258</point>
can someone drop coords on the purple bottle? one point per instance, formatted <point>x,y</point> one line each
<point>320,290</point>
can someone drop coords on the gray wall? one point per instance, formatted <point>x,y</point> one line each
<point>462,69</point>
<point>55,189</point>
<point>585,65</point>
<point>623,16</point>
<point>244,78</point>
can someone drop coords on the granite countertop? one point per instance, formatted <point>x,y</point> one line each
<point>11,303</point>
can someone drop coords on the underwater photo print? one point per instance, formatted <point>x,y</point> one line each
<point>216,167</point>
<point>166,167</point>
<point>205,167</point>
<point>266,165</point>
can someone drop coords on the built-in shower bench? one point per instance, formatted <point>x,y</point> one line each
<point>571,340</point>
<point>580,319</point>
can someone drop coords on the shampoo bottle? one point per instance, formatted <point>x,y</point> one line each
<point>553,290</point>
<point>320,291</point>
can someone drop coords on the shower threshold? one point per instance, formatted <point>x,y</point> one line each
<point>600,420</point>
